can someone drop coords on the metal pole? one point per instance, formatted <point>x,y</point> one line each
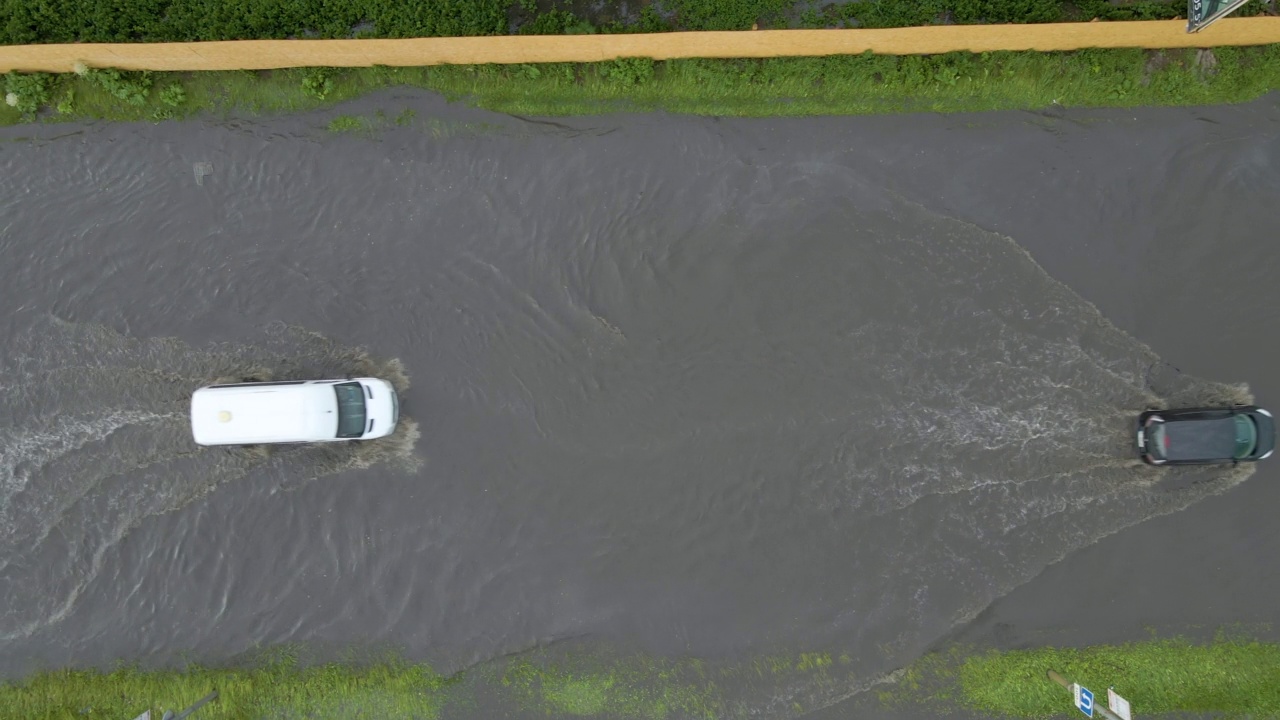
<point>199,704</point>
<point>1099,709</point>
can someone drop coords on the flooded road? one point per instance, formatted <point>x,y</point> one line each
<point>713,388</point>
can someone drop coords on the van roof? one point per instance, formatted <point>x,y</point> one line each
<point>250,414</point>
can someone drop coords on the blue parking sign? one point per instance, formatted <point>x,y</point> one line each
<point>1084,700</point>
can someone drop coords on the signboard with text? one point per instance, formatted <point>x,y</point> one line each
<point>1201,13</point>
<point>1118,705</point>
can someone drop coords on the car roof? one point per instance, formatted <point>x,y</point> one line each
<point>258,413</point>
<point>1212,438</point>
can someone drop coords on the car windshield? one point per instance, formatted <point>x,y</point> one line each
<point>1246,436</point>
<point>350,410</point>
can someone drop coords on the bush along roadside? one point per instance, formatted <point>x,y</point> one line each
<point>611,16</point>
<point>30,94</point>
<point>836,85</point>
<point>69,21</point>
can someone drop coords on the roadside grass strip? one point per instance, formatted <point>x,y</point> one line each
<point>1226,678</point>
<point>835,85</point>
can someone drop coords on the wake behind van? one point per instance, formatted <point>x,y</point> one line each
<point>294,411</point>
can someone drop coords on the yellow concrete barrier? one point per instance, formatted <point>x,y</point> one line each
<point>268,54</point>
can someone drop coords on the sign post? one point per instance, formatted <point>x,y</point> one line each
<point>169,714</point>
<point>1083,699</point>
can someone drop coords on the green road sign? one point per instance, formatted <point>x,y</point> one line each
<point>1201,13</point>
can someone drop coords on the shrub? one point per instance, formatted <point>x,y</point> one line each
<point>67,104</point>
<point>1006,11</point>
<point>582,27</point>
<point>628,71</point>
<point>650,21</point>
<point>131,87</point>
<point>552,22</point>
<point>173,95</point>
<point>724,14</point>
<point>27,92</point>
<point>894,13</point>
<point>318,81</point>
<point>50,21</point>
<point>1141,10</point>
<point>66,21</point>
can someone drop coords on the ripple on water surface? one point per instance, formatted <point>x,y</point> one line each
<point>98,439</point>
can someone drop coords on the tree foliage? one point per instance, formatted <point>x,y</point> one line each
<point>63,21</point>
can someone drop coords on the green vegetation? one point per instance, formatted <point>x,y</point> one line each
<point>579,683</point>
<point>64,21</point>
<point>626,688</point>
<point>860,84</point>
<point>60,21</point>
<point>280,689</point>
<point>349,123</point>
<point>27,93</point>
<point>1234,678</point>
<point>1231,677</point>
<point>906,13</point>
<point>317,82</point>
<point>131,88</point>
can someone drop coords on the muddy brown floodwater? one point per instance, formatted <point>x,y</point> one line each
<point>711,387</point>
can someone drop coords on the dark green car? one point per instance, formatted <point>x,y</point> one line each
<point>1202,436</point>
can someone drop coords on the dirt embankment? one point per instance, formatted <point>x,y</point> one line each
<point>268,54</point>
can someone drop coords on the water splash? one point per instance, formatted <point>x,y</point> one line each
<point>97,440</point>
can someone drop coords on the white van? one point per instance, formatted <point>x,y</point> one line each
<point>293,411</point>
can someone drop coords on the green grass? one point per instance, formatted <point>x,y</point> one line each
<point>276,690</point>
<point>837,85</point>
<point>579,682</point>
<point>1233,678</point>
<point>633,688</point>
<point>1226,677</point>
<point>350,123</point>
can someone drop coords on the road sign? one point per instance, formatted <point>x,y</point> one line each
<point>1083,698</point>
<point>1202,13</point>
<point>1118,705</point>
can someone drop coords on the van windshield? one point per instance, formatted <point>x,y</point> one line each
<point>350,410</point>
